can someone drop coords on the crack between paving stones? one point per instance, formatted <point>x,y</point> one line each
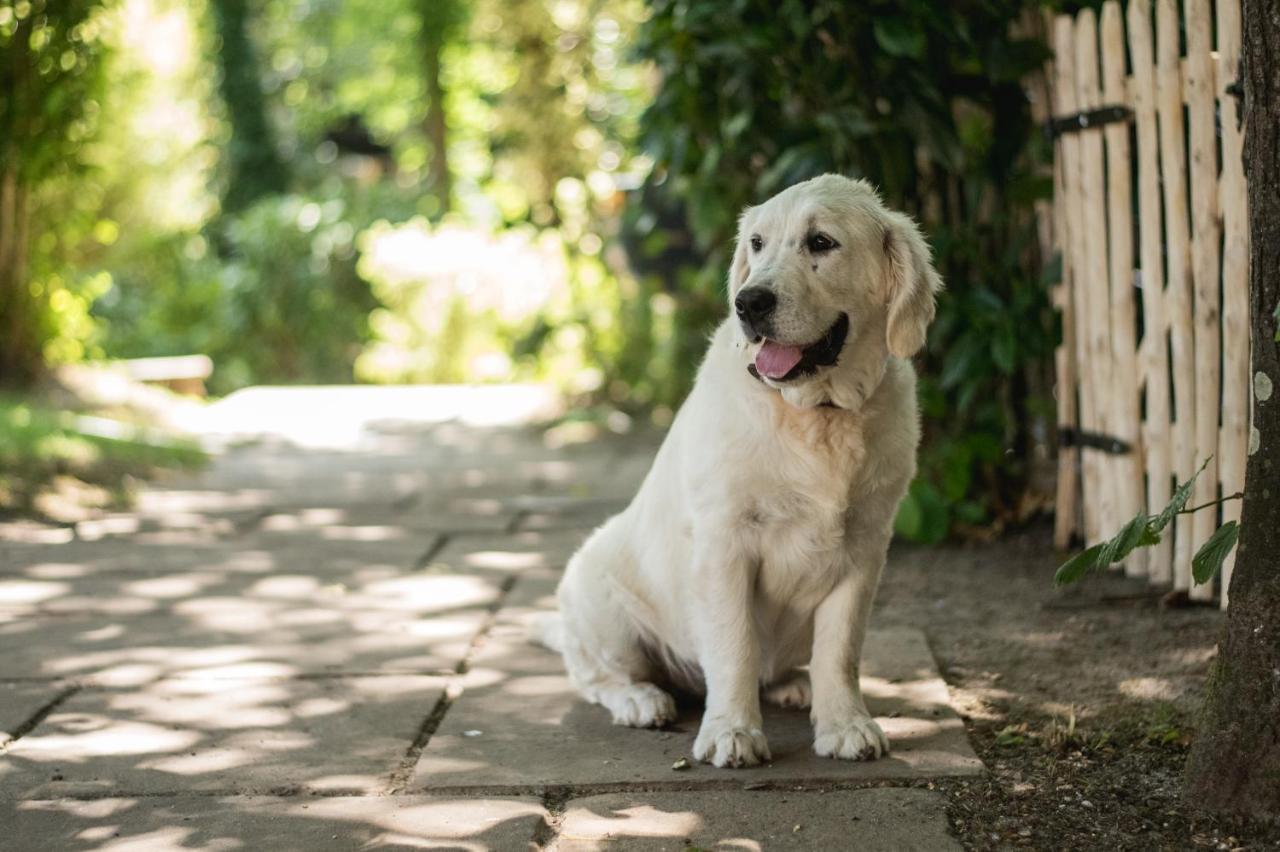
<point>433,550</point>
<point>554,805</point>
<point>407,502</point>
<point>39,716</point>
<point>554,798</point>
<point>403,774</point>
<point>566,792</point>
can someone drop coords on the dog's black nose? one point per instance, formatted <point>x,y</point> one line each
<point>755,304</point>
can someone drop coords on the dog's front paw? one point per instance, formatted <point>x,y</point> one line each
<point>857,739</point>
<point>722,744</point>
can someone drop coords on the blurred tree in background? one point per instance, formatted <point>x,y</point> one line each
<point>254,167</point>
<point>51,63</point>
<point>440,20</point>
<point>489,190</point>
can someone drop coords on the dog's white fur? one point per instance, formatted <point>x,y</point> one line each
<point>756,542</point>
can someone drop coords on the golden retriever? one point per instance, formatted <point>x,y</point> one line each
<point>755,545</point>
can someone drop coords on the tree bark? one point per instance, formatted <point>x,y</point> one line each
<point>437,19</point>
<point>21,349</point>
<point>21,313</point>
<point>255,167</point>
<point>1235,763</point>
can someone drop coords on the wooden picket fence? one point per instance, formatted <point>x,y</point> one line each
<point>1153,372</point>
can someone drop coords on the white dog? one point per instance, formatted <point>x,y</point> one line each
<point>756,542</point>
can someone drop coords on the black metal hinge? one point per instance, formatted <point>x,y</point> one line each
<point>1087,120</point>
<point>1069,436</point>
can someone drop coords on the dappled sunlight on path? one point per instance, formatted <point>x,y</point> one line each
<point>322,637</point>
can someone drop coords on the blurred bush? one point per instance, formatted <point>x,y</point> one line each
<point>271,294</point>
<point>926,100</point>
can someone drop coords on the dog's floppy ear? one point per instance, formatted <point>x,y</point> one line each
<point>912,285</point>
<point>741,267</point>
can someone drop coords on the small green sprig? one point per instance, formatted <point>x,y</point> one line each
<point>1145,530</point>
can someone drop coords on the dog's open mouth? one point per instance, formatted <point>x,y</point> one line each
<point>782,363</point>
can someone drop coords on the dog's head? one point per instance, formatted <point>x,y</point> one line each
<point>823,268</point>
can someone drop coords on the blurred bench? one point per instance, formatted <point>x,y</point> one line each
<point>180,373</point>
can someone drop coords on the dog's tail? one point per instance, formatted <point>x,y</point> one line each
<point>547,630</point>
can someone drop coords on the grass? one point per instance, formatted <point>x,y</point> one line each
<point>42,449</point>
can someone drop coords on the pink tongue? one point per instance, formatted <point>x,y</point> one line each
<point>774,360</point>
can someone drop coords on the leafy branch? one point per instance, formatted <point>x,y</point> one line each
<point>1146,530</point>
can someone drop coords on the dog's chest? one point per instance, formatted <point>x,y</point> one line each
<point>798,516</point>
<point>796,539</point>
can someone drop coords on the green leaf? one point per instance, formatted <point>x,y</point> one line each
<point>1136,533</point>
<point>1004,350</point>
<point>734,127</point>
<point>1178,502</point>
<point>898,38</point>
<point>1077,566</point>
<point>1209,558</point>
<point>910,518</point>
<point>922,516</point>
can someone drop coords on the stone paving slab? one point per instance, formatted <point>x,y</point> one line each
<point>227,637</point>
<point>331,550</point>
<point>370,587</point>
<point>276,824</point>
<point>888,819</point>
<point>518,724</point>
<point>518,553</point>
<point>247,736</point>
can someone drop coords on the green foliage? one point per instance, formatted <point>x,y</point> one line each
<point>51,82</point>
<point>922,517</point>
<point>283,302</point>
<point>38,444</point>
<point>1145,530</point>
<point>51,78</point>
<point>924,99</point>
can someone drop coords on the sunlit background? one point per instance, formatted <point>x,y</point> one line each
<point>514,191</point>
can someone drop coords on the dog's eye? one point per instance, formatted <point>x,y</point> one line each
<point>818,243</point>
<point>756,243</point>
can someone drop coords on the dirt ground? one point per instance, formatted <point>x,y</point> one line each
<point>1082,702</point>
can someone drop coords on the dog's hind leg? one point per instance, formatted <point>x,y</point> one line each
<point>602,649</point>
<point>792,691</point>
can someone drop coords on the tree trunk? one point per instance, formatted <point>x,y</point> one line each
<point>255,167</point>
<point>21,320</point>
<point>437,18</point>
<point>1235,764</point>
<point>21,312</point>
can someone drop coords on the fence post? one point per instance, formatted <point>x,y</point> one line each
<point>1155,325</point>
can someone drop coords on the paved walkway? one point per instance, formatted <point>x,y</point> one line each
<point>318,644</point>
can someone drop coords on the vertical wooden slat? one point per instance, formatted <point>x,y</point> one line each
<point>1204,260</point>
<point>1155,357</point>
<point>1235,279</point>
<point>1066,518</point>
<point>1173,164</point>
<point>1073,254</point>
<point>1125,410</point>
<point>1094,325</point>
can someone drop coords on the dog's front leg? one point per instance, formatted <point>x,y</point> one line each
<point>728,652</point>
<point>842,726</point>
